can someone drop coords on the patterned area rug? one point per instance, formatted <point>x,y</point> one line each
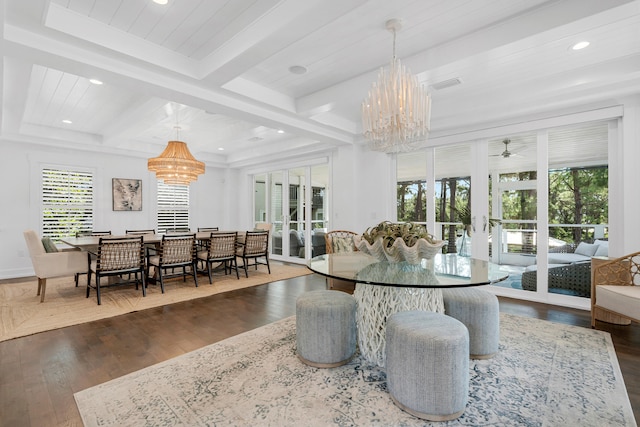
<point>545,374</point>
<point>21,312</point>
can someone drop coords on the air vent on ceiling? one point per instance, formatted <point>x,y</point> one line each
<point>255,139</point>
<point>447,83</point>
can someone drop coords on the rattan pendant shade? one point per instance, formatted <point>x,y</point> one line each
<point>176,164</point>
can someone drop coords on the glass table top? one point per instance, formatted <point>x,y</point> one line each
<point>444,270</point>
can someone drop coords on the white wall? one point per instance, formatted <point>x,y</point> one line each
<point>628,200</point>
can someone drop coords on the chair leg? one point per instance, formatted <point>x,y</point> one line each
<point>98,288</point>
<point>195,273</point>
<point>160,269</point>
<point>42,287</point>
<point>234,262</point>
<point>184,274</point>
<point>76,277</point>
<point>245,265</point>
<point>209,272</point>
<point>268,266</point>
<point>88,282</point>
<point>144,286</point>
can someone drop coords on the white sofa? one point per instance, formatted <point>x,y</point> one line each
<point>583,252</point>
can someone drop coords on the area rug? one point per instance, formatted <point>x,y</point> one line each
<point>545,374</point>
<point>21,312</point>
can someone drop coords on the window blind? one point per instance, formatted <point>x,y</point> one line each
<point>173,206</point>
<point>67,202</point>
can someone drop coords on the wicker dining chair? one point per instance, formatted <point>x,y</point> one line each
<point>175,251</point>
<point>202,244</point>
<point>337,241</point>
<point>139,232</point>
<point>255,246</point>
<point>220,248</point>
<point>115,257</point>
<point>89,234</point>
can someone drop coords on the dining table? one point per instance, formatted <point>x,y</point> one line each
<point>383,288</point>
<point>90,243</point>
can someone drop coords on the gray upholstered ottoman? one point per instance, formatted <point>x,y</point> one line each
<point>325,328</point>
<point>480,313</point>
<point>428,364</point>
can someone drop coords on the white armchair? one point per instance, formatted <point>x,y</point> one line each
<point>53,264</point>
<point>615,290</point>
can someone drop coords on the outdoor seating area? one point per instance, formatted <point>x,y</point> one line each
<point>297,242</point>
<point>569,268</point>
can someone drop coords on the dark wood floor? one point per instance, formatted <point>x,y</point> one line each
<point>40,373</point>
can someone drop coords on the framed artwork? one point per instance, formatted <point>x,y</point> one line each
<point>127,194</point>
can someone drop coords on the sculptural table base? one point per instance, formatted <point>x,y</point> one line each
<point>377,303</point>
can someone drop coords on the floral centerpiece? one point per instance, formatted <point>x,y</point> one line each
<point>396,242</point>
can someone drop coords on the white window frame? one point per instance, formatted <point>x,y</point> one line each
<point>69,193</point>
<point>173,206</point>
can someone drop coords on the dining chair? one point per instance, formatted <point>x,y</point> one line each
<point>175,251</point>
<point>89,233</point>
<point>337,241</point>
<point>138,232</point>
<point>117,256</point>
<point>179,230</point>
<point>202,244</point>
<point>48,265</point>
<point>254,247</point>
<point>220,248</point>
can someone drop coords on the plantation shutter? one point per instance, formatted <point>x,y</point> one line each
<point>67,202</point>
<point>173,206</point>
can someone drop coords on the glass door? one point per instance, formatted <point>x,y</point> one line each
<point>294,201</point>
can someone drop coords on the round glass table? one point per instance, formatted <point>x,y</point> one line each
<point>384,288</point>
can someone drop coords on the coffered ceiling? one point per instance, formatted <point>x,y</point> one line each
<point>222,71</point>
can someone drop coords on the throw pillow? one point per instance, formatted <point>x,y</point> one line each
<point>602,243</point>
<point>586,249</point>
<point>603,250</point>
<point>48,244</point>
<point>342,244</point>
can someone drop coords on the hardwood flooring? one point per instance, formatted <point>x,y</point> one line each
<point>40,373</point>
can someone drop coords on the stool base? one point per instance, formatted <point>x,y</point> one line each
<point>324,365</point>
<point>428,417</point>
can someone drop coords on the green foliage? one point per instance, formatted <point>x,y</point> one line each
<point>410,232</point>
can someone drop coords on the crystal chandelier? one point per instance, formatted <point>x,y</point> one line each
<point>397,110</point>
<point>176,164</point>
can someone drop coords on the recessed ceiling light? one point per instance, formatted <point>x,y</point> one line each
<point>297,69</point>
<point>161,1</point>
<point>220,149</point>
<point>67,121</point>
<point>95,81</point>
<point>280,131</point>
<point>580,45</point>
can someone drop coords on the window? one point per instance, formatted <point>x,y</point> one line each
<point>411,185</point>
<point>173,206</point>
<point>67,202</point>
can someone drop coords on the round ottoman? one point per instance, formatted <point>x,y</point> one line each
<point>428,364</point>
<point>325,328</point>
<point>480,313</point>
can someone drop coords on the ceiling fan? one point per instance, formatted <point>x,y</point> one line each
<point>506,153</point>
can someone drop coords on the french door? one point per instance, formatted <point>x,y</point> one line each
<point>295,202</point>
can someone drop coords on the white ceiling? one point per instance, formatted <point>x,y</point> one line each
<point>220,68</point>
